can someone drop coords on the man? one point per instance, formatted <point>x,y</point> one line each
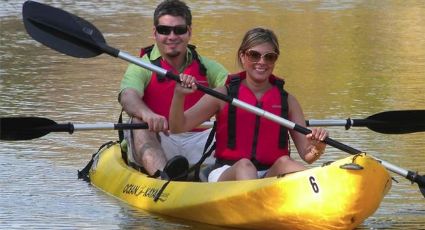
<point>146,97</point>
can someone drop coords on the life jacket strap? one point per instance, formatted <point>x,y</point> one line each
<point>283,133</point>
<point>233,91</point>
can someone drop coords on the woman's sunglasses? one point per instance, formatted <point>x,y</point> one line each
<point>166,30</point>
<point>255,56</point>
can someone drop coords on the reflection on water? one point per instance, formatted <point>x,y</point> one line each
<point>340,58</point>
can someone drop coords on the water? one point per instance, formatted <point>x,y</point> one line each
<point>339,58</point>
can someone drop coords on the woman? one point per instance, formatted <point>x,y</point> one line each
<point>249,146</point>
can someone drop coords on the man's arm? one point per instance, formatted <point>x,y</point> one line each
<point>132,88</point>
<point>134,106</point>
<point>132,103</point>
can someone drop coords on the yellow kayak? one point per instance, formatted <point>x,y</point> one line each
<point>334,196</point>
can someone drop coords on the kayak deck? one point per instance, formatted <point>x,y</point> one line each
<point>327,197</point>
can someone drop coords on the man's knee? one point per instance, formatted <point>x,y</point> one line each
<point>148,152</point>
<point>145,155</point>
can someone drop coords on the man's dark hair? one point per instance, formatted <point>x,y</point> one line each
<point>174,8</point>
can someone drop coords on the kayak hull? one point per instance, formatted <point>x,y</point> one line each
<point>327,197</point>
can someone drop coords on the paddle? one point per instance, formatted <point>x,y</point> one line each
<point>389,122</point>
<point>69,34</point>
<point>26,128</point>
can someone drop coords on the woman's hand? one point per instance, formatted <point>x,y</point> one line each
<point>186,86</point>
<point>178,121</point>
<point>316,138</point>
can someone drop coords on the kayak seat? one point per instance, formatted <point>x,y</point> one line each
<point>176,169</point>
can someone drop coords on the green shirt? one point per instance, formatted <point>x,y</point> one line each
<point>138,78</point>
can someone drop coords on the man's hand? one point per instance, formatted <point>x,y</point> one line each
<point>156,122</point>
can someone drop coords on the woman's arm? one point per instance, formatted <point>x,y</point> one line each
<point>309,146</point>
<point>204,109</point>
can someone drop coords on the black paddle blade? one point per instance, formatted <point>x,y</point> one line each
<point>414,177</point>
<point>62,31</point>
<point>398,122</point>
<point>24,128</point>
<point>422,189</point>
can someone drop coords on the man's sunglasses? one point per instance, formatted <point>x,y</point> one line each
<point>166,30</point>
<point>255,56</point>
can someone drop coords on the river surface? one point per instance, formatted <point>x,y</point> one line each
<point>341,59</point>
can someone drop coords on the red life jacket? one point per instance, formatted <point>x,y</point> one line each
<point>242,134</point>
<point>159,91</point>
